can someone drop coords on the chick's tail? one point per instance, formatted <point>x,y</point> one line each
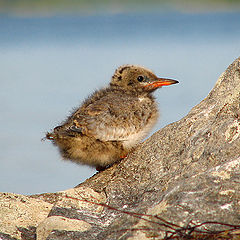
<point>49,136</point>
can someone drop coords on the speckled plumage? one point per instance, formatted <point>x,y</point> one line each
<point>113,120</point>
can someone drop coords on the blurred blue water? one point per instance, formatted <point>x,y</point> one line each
<point>49,65</point>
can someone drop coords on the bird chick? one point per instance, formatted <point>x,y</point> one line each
<point>113,120</point>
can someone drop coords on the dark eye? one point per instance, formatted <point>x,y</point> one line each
<point>140,78</point>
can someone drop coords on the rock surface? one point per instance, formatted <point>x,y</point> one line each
<point>186,174</point>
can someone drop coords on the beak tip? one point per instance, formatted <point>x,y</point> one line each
<point>166,81</point>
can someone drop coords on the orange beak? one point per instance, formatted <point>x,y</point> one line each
<point>161,82</point>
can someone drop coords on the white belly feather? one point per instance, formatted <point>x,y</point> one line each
<point>133,139</point>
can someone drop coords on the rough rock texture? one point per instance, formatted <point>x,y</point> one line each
<point>21,214</point>
<point>185,174</point>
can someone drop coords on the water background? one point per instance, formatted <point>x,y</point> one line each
<point>48,65</point>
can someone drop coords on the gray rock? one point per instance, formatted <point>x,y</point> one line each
<point>20,215</point>
<point>186,174</point>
